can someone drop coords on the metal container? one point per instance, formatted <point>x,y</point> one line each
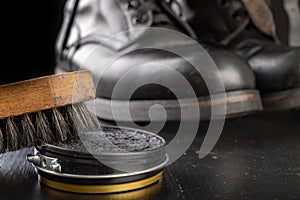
<point>75,167</point>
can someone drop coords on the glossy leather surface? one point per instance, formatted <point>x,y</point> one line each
<point>276,66</point>
<point>98,20</point>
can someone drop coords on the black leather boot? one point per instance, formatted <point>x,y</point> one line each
<point>247,28</point>
<point>82,44</point>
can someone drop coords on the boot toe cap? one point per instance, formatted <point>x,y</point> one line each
<point>277,68</point>
<point>235,71</point>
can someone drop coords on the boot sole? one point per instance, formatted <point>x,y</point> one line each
<point>238,104</point>
<point>284,100</point>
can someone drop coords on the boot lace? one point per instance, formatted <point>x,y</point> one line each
<point>235,10</point>
<point>163,15</point>
<point>143,7</point>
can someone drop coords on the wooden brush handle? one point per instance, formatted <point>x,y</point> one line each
<point>46,93</point>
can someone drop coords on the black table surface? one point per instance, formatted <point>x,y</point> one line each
<point>257,157</point>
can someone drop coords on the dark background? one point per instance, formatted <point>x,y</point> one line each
<point>30,30</point>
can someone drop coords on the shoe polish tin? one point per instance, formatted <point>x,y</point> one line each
<point>127,159</point>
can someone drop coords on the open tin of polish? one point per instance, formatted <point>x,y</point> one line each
<point>111,160</point>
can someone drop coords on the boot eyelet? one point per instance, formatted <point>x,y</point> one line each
<point>132,4</point>
<point>176,7</point>
<point>143,20</point>
<point>135,20</point>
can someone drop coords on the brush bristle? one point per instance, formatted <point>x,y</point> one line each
<point>12,134</point>
<point>43,127</point>
<point>84,118</point>
<point>1,140</point>
<point>28,130</point>
<point>61,127</point>
<point>49,126</point>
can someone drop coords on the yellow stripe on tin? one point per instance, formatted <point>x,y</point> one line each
<point>101,189</point>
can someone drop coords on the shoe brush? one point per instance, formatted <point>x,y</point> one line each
<point>45,109</point>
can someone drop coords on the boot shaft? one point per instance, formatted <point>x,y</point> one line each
<point>97,20</point>
<point>222,20</point>
<point>93,18</point>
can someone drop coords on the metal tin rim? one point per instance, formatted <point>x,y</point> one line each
<point>158,167</point>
